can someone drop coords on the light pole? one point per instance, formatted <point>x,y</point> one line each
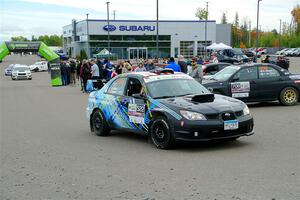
<point>205,35</point>
<point>87,35</point>
<point>157,50</point>
<point>257,31</point>
<point>250,33</point>
<point>108,27</point>
<point>279,36</point>
<point>114,15</point>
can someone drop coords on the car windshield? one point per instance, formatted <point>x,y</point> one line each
<point>237,51</point>
<point>225,73</point>
<point>21,68</point>
<point>174,88</point>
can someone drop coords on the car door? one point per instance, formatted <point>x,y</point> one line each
<point>243,84</point>
<point>112,105</point>
<point>135,105</point>
<point>270,82</point>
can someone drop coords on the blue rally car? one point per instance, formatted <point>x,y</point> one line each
<point>168,107</point>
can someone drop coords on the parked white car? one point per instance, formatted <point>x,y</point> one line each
<point>21,72</point>
<point>39,66</point>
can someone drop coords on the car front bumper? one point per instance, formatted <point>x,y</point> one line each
<point>211,129</point>
<point>27,76</point>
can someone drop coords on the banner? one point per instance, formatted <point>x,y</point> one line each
<point>55,74</point>
<point>3,50</point>
<point>47,53</point>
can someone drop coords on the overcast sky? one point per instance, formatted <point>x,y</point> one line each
<point>38,17</point>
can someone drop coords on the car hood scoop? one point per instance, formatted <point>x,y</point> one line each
<point>201,98</point>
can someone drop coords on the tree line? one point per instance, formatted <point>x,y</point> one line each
<point>244,35</point>
<point>50,40</point>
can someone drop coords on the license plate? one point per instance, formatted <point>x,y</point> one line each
<point>231,125</point>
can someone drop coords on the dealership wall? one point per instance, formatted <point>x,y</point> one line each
<point>191,31</point>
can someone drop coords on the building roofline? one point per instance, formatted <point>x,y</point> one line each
<point>104,20</point>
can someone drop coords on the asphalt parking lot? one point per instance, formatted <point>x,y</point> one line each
<point>48,152</point>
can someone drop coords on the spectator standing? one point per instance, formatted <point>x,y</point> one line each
<point>200,61</point>
<point>267,59</point>
<point>85,74</point>
<point>108,69</point>
<point>282,63</point>
<point>140,68</point>
<point>149,66</point>
<point>182,64</point>
<point>101,68</point>
<point>127,68</point>
<point>73,72</point>
<point>78,66</point>
<point>119,67</point>
<point>68,72</point>
<point>214,58</point>
<point>173,65</point>
<point>64,73</point>
<point>197,71</point>
<point>94,70</point>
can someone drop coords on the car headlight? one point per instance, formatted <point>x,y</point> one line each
<point>192,115</point>
<point>246,110</point>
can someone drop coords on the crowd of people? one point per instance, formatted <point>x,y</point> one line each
<point>103,70</point>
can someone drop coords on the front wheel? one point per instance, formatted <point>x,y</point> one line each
<point>99,124</point>
<point>289,96</point>
<point>161,134</point>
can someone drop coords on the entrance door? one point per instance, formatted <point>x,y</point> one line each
<point>136,53</point>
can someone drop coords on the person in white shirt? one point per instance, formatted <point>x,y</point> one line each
<point>94,69</point>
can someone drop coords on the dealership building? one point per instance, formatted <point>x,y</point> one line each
<point>135,39</point>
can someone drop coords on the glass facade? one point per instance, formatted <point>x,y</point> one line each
<point>200,47</point>
<point>128,46</point>
<point>187,48</point>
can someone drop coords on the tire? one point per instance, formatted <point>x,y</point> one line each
<point>160,133</point>
<point>289,96</point>
<point>99,124</point>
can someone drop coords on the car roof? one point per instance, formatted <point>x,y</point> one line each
<point>219,63</point>
<point>151,76</point>
<point>258,65</point>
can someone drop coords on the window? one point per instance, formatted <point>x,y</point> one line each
<point>247,74</point>
<point>134,87</point>
<point>117,87</point>
<point>267,72</point>
<point>175,87</point>
<point>187,48</point>
<point>200,47</point>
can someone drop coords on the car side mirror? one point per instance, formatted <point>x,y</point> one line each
<point>139,96</point>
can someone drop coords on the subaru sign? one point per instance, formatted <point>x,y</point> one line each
<point>109,28</point>
<point>129,28</point>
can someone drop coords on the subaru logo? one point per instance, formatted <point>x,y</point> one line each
<point>109,28</point>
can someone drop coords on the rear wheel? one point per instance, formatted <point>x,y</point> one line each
<point>161,134</point>
<point>99,124</point>
<point>289,96</point>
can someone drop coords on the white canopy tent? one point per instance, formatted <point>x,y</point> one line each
<point>217,47</point>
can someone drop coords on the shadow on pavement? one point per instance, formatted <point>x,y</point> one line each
<point>184,146</point>
<point>268,104</point>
